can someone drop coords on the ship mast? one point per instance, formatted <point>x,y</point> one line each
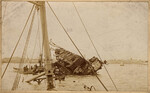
<point>47,53</point>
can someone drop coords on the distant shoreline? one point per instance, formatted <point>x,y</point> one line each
<point>114,61</point>
<point>129,61</point>
<point>17,60</point>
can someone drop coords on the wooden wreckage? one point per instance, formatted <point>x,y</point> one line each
<point>72,63</point>
<point>69,63</point>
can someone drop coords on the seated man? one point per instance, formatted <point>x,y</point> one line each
<point>35,69</point>
<point>25,68</point>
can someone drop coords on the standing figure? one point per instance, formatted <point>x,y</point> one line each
<point>40,60</point>
<point>35,69</point>
<point>105,62</point>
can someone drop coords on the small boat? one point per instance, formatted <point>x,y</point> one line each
<point>29,71</point>
<point>121,64</point>
<point>21,71</point>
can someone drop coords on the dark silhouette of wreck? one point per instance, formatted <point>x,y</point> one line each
<point>71,63</point>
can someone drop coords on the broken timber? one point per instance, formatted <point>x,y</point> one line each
<point>35,77</point>
<point>72,63</point>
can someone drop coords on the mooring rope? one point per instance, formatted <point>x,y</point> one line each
<point>93,44</point>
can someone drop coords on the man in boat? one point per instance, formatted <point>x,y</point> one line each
<point>40,60</point>
<point>25,68</point>
<point>35,69</point>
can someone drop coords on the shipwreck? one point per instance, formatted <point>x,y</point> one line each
<point>72,63</point>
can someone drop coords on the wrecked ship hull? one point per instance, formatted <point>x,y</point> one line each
<point>71,63</point>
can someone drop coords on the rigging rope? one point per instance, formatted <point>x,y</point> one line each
<point>42,50</point>
<point>17,42</point>
<point>18,76</point>
<point>93,44</point>
<point>74,43</point>
<point>40,46</point>
<point>28,60</point>
<point>39,33</point>
<point>35,44</point>
<point>31,59</point>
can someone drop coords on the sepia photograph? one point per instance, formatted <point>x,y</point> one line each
<point>74,46</point>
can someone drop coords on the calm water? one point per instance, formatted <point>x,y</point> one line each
<point>130,77</point>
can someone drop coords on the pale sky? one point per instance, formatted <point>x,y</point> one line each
<point>119,30</point>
